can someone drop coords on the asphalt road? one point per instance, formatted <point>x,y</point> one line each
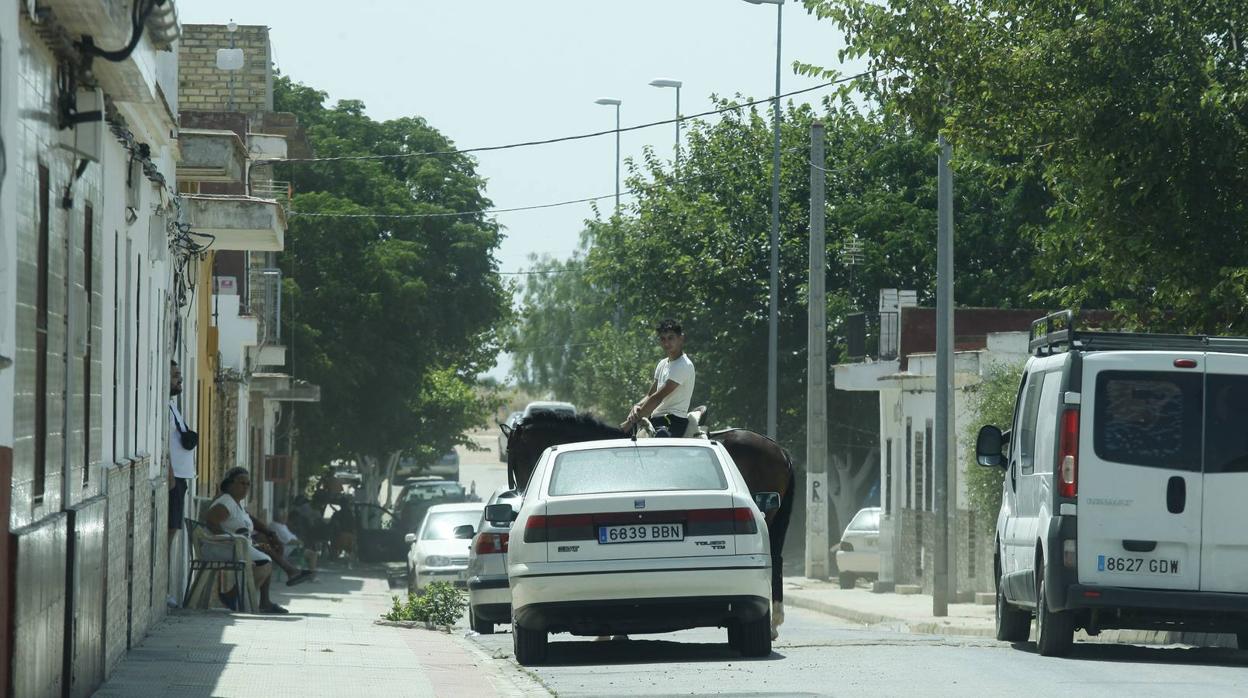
<point>820,655</point>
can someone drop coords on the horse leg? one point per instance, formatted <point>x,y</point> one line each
<point>777,531</point>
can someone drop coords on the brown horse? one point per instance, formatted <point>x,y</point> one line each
<point>764,465</point>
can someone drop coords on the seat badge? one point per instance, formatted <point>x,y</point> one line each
<point>639,504</point>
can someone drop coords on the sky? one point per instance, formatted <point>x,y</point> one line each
<point>489,72</point>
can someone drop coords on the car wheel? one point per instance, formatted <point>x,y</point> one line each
<point>1013,623</point>
<point>1055,631</point>
<point>755,637</point>
<point>734,635</point>
<point>528,645</point>
<point>479,625</point>
<point>847,580</point>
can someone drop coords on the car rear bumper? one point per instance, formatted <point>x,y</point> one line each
<point>858,562</point>
<point>489,590</point>
<point>442,574</point>
<point>645,615</point>
<point>493,612</point>
<point>586,588</point>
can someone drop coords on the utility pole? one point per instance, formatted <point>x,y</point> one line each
<point>817,372</point>
<point>944,380</point>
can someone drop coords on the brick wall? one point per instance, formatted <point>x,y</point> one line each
<point>140,553</point>
<point>159,488</point>
<point>202,86</point>
<point>117,610</point>
<point>916,532</point>
<point>39,607</point>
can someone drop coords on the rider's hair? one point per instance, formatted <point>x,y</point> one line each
<point>669,325</point>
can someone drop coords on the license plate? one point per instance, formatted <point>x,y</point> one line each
<point>1136,565</point>
<point>641,533</point>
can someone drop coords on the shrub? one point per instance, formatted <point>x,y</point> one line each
<point>991,402</point>
<point>441,605</point>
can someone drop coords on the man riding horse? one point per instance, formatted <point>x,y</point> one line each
<point>667,403</point>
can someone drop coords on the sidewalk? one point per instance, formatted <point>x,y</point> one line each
<point>913,613</point>
<point>329,645</point>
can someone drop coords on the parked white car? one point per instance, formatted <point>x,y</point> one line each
<point>1125,479</point>
<point>489,598</point>
<point>646,536</point>
<point>438,552</point>
<point>859,552</point>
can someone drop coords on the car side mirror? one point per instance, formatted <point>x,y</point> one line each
<point>767,502</point>
<point>465,531</point>
<point>988,445</point>
<point>409,538</point>
<point>500,514</point>
<point>506,430</point>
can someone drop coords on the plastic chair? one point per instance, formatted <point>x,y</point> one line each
<point>201,583</point>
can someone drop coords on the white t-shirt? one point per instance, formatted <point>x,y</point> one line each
<point>182,460</point>
<point>681,371</point>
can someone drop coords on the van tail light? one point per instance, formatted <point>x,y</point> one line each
<point>490,543</point>
<point>1068,455</point>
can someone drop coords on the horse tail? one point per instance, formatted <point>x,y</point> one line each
<point>779,528</point>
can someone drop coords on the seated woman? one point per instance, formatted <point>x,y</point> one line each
<point>227,515</point>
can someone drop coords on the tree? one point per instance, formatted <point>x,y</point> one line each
<point>1132,114</point>
<point>991,402</point>
<point>394,316</point>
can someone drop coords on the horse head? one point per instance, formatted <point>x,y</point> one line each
<point>534,434</point>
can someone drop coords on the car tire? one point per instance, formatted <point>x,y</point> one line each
<point>529,645</point>
<point>755,637</point>
<point>734,635</point>
<point>1013,623</point>
<point>847,580</point>
<point>479,624</point>
<point>1241,639</point>
<point>1055,630</point>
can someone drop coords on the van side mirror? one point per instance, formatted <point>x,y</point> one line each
<point>500,514</point>
<point>767,502</point>
<point>988,445</point>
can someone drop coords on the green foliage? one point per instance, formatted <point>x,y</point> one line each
<point>393,318</point>
<point>991,402</point>
<point>694,245</point>
<point>441,605</point>
<point>1132,115</point>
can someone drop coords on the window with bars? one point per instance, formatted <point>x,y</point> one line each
<point>920,486</point>
<point>909,467</point>
<point>88,287</point>
<point>930,468</point>
<point>41,339</point>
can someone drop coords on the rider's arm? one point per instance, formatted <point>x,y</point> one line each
<point>652,401</point>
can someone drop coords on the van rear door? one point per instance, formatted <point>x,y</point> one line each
<point>1224,549</point>
<point>1140,487</point>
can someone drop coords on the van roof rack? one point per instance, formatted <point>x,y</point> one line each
<point>1058,332</point>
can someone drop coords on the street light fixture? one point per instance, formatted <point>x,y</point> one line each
<point>773,325</point>
<point>609,102</point>
<point>665,82</point>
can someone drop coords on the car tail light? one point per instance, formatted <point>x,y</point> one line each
<point>847,546</point>
<point>1067,455</point>
<point>743,521</point>
<point>490,543</point>
<point>535,529</point>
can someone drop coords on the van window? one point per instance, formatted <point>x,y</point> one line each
<point>1226,425</point>
<point>1150,418</point>
<point>1046,422</point>
<point>1027,427</point>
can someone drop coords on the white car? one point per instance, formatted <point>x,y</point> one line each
<point>489,598</point>
<point>439,551</point>
<point>646,536</point>
<point>859,552</point>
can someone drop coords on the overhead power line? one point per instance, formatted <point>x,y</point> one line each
<point>564,139</point>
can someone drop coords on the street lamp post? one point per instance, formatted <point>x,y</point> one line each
<point>773,325</point>
<point>664,82</point>
<point>608,102</point>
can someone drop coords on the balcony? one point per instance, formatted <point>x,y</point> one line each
<point>284,388</point>
<point>238,222</point>
<point>266,146</point>
<point>210,155</point>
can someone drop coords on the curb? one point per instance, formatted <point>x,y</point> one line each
<point>867,618</point>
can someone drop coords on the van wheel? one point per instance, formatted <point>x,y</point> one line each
<point>479,625</point>
<point>847,580</point>
<point>754,637</point>
<point>528,645</point>
<point>1055,631</point>
<point>1013,623</point>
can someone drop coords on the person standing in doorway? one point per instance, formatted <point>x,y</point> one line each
<point>182,443</point>
<point>667,402</point>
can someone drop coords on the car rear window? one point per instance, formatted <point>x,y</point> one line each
<point>1226,435</point>
<point>1150,418</point>
<point>866,521</point>
<point>636,469</point>
<point>442,525</point>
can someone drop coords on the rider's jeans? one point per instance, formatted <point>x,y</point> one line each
<point>666,425</point>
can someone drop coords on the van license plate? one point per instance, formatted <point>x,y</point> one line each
<point>641,533</point>
<point>1136,565</point>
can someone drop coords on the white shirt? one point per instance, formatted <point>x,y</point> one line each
<point>238,520</point>
<point>182,460</point>
<point>681,372</point>
<point>284,536</point>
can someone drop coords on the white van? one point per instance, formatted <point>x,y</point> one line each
<point>1126,489</point>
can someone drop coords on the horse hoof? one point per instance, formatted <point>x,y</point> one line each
<point>777,613</point>
<point>774,633</point>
